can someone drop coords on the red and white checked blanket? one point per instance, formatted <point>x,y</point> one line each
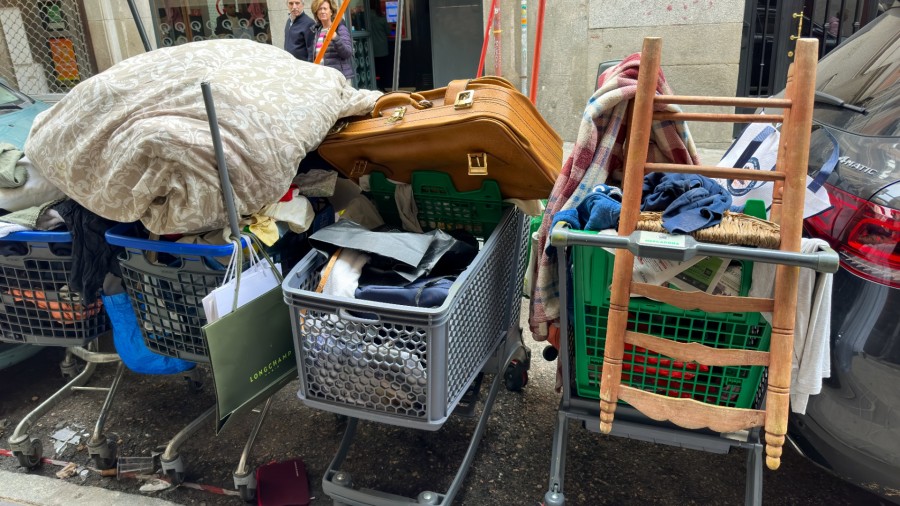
<point>599,152</point>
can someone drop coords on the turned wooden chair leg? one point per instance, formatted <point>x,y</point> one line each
<point>614,348</point>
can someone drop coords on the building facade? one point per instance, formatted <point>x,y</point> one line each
<point>711,47</point>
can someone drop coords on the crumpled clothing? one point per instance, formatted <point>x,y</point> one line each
<point>297,212</point>
<point>316,182</point>
<point>12,175</point>
<point>689,202</point>
<point>264,228</point>
<point>362,211</point>
<point>92,256</point>
<point>598,211</point>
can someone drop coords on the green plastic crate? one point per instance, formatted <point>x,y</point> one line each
<point>440,205</point>
<point>732,386</point>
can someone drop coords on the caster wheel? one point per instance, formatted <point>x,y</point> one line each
<point>516,375</point>
<point>109,461</point>
<point>247,494</point>
<point>194,380</point>
<point>176,477</point>
<point>69,371</point>
<point>33,459</point>
<point>550,353</point>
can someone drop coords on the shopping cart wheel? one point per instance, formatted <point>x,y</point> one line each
<point>31,459</point>
<point>69,369</point>
<point>247,494</point>
<point>104,454</point>
<point>194,380</point>
<point>554,499</point>
<point>174,469</point>
<point>516,375</point>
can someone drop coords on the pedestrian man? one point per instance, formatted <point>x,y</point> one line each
<point>298,32</point>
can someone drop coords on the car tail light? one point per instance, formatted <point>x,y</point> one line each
<point>865,235</point>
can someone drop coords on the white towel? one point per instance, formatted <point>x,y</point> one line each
<point>812,329</point>
<point>344,277</point>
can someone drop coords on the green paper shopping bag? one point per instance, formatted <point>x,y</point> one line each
<point>251,348</point>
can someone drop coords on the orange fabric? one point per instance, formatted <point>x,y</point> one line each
<point>62,312</point>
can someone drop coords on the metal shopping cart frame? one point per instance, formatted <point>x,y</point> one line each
<point>35,310</point>
<point>629,422</point>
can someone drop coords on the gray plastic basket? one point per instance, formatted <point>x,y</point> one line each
<point>398,364</point>
<point>36,306</point>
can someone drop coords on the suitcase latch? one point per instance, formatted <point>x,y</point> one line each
<point>360,168</point>
<point>464,99</point>
<point>478,164</point>
<point>397,115</point>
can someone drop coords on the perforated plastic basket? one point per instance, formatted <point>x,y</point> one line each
<point>166,282</point>
<point>398,364</point>
<point>733,386</point>
<point>440,205</point>
<point>36,304</point>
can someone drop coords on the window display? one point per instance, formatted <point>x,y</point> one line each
<point>181,21</point>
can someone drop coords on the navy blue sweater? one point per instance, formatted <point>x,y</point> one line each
<point>298,37</point>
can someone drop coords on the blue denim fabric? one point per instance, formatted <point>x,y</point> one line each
<point>689,202</point>
<point>599,210</point>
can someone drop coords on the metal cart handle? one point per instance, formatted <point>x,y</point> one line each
<point>685,247</point>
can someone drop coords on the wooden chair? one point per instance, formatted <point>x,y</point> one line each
<point>789,180</point>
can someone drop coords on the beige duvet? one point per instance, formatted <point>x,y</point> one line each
<point>133,142</point>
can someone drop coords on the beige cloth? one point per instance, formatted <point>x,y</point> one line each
<point>146,154</point>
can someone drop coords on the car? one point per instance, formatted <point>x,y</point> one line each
<point>17,113</point>
<point>853,426</point>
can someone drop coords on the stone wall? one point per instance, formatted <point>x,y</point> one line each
<point>701,51</point>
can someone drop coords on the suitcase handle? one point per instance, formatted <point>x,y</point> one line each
<point>400,99</point>
<point>459,85</point>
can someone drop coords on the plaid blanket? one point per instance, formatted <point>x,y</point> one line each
<point>599,152</point>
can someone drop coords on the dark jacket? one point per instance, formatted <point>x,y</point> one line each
<point>339,53</point>
<point>298,37</point>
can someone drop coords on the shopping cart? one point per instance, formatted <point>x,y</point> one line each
<point>38,307</point>
<point>410,366</point>
<point>166,283</point>
<point>701,386</point>
<point>581,356</point>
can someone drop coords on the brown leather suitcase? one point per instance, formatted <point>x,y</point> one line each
<point>472,130</point>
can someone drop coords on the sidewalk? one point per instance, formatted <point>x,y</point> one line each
<point>29,489</point>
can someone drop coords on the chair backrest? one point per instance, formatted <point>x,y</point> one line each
<point>789,180</point>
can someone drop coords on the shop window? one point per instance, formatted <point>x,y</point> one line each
<point>181,21</point>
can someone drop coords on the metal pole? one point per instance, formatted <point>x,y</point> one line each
<point>398,38</point>
<point>140,26</point>
<point>227,192</point>
<point>524,84</point>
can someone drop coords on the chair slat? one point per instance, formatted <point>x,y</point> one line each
<point>691,414</point>
<point>696,352</point>
<point>716,172</point>
<point>703,301</point>
<point>773,103</point>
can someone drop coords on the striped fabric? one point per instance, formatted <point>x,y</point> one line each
<point>599,153</point>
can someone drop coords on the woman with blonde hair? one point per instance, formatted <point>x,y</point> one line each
<point>339,52</point>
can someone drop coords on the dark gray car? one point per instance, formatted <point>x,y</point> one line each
<point>853,426</point>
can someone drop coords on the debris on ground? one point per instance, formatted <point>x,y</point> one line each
<point>63,437</point>
<point>68,471</point>
<point>154,485</point>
